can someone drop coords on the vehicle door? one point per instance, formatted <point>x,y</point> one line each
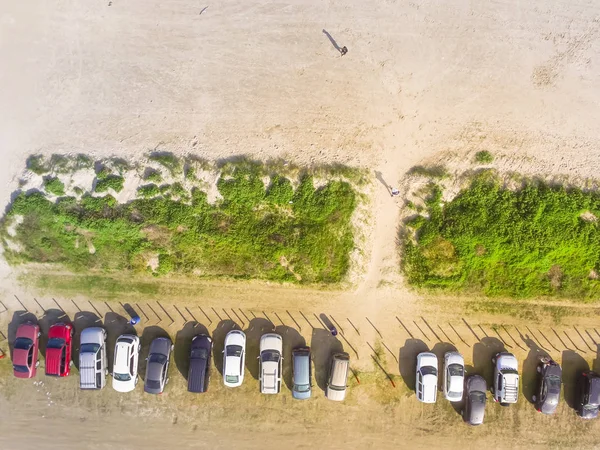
<point>499,386</point>
<point>30,358</point>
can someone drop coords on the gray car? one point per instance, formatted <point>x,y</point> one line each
<point>548,392</point>
<point>475,399</point>
<point>157,366</point>
<point>301,373</point>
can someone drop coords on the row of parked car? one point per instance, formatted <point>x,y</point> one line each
<point>93,363</point>
<point>456,386</point>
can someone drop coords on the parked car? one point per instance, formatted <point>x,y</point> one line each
<point>125,367</point>
<point>426,380</point>
<point>454,376</point>
<point>93,366</point>
<point>338,377</point>
<point>26,350</point>
<point>548,391</point>
<point>58,350</point>
<point>157,367</point>
<point>475,400</point>
<point>589,395</point>
<point>301,373</point>
<point>234,358</point>
<point>506,378</point>
<point>270,363</point>
<point>199,371</point>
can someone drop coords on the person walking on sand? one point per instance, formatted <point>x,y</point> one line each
<point>343,50</point>
<point>395,191</point>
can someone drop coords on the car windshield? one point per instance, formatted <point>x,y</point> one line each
<point>23,343</point>
<point>428,370</point>
<point>89,348</point>
<point>153,384</point>
<point>55,343</point>
<point>122,376</point>
<point>302,387</point>
<point>455,370</point>
<point>234,350</point>
<point>270,355</point>
<point>231,378</point>
<point>200,353</point>
<point>553,383</point>
<point>157,358</point>
<point>477,397</point>
<point>126,340</point>
<point>590,407</point>
<point>21,369</point>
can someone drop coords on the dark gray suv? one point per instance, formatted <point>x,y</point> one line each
<point>589,395</point>
<point>475,399</point>
<point>157,366</point>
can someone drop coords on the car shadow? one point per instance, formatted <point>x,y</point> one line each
<point>50,317</point>
<point>323,345</point>
<point>19,318</point>
<point>81,321</point>
<point>291,339</point>
<point>529,375</point>
<point>223,327</point>
<point>256,328</point>
<point>483,353</point>
<point>115,325</point>
<point>183,345</point>
<point>572,367</point>
<point>407,359</point>
<point>149,334</point>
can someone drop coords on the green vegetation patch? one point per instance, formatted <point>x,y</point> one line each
<point>114,182</point>
<point>538,241</point>
<point>54,186</point>
<point>484,157</point>
<point>273,232</point>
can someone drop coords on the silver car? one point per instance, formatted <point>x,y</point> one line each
<point>157,367</point>
<point>475,400</point>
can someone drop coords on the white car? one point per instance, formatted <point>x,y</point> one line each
<point>454,376</point>
<point>426,382</point>
<point>270,362</point>
<point>125,368</point>
<point>506,378</point>
<point>234,356</point>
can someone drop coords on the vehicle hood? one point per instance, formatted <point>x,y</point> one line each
<point>455,358</point>
<point>161,346</point>
<point>428,359</point>
<point>476,383</point>
<point>94,335</point>
<point>27,330</point>
<point>507,361</point>
<point>271,342</point>
<point>237,338</point>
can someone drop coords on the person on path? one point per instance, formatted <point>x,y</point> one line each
<point>395,191</point>
<point>344,50</point>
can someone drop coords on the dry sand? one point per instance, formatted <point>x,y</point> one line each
<point>423,81</point>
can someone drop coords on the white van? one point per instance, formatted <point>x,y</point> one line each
<point>93,366</point>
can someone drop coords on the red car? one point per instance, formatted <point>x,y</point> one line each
<point>26,349</point>
<point>58,350</point>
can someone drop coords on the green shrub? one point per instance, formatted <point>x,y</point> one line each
<point>114,182</point>
<point>60,163</point>
<point>154,176</point>
<point>148,190</point>
<point>166,264</point>
<point>103,172</point>
<point>37,164</point>
<point>280,191</point>
<point>525,243</point>
<point>484,157</point>
<point>83,162</point>
<point>178,190</point>
<point>167,160</point>
<point>429,172</point>
<point>54,186</point>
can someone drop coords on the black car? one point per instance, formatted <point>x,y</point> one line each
<point>548,392</point>
<point>589,395</point>
<point>199,372</point>
<point>475,399</point>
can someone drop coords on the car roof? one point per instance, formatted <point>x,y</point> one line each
<point>154,370</point>
<point>58,330</point>
<point>454,358</point>
<point>301,367</point>
<point>339,368</point>
<point>122,356</point>
<point>477,411</point>
<point>553,369</point>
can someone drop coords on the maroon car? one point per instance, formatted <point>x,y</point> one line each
<point>25,352</point>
